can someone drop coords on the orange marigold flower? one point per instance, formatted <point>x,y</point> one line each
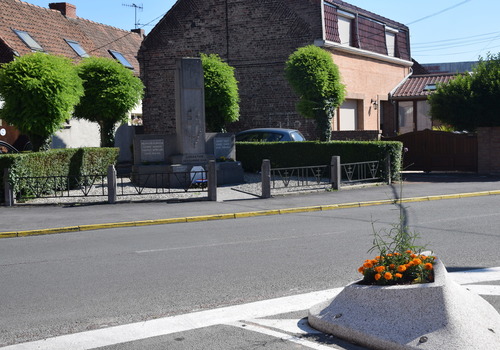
<point>361,269</point>
<point>417,261</point>
<point>397,254</point>
<point>398,275</point>
<point>428,266</point>
<point>378,257</point>
<point>410,264</point>
<point>401,268</point>
<point>377,276</point>
<point>380,268</point>
<point>388,276</point>
<point>367,265</point>
<point>389,254</point>
<point>392,266</point>
<point>374,262</point>
<point>409,251</point>
<point>413,255</point>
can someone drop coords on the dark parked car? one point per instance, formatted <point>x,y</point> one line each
<point>269,135</point>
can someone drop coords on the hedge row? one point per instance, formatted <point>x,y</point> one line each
<point>57,162</point>
<point>297,154</point>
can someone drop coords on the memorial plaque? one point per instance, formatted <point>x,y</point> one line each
<point>223,147</point>
<point>152,150</point>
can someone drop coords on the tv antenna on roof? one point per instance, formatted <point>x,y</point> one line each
<point>136,7</point>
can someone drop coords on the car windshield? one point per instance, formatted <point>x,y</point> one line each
<point>297,136</point>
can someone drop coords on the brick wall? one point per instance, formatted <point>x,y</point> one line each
<point>488,147</point>
<point>358,135</point>
<point>255,37</point>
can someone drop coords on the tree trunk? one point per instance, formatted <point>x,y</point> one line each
<point>107,129</point>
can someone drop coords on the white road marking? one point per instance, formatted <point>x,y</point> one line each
<point>476,275</point>
<point>231,314</point>
<point>288,325</point>
<point>180,323</point>
<point>222,244</point>
<point>483,289</point>
<point>283,336</point>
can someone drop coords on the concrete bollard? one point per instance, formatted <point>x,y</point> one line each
<point>335,173</point>
<point>7,187</point>
<point>266,178</point>
<point>212,181</point>
<point>111,184</point>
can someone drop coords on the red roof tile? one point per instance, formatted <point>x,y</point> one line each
<point>415,86</point>
<point>50,28</point>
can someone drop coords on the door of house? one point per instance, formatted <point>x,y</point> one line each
<point>439,151</point>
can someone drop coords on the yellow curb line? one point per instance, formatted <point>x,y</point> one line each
<point>240,215</point>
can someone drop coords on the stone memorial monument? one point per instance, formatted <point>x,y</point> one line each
<point>191,146</point>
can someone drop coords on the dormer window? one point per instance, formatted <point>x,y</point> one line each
<point>77,48</point>
<point>28,40</point>
<point>118,56</point>
<point>390,41</point>
<point>345,21</point>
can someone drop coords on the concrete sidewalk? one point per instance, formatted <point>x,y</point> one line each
<point>231,204</point>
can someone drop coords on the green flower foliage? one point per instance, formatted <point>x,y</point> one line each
<point>39,91</point>
<point>111,91</point>
<point>470,100</point>
<point>221,93</point>
<point>313,75</point>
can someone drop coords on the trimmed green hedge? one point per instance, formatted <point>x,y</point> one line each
<point>297,154</point>
<point>57,162</point>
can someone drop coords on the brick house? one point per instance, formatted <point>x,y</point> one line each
<point>26,28</point>
<point>256,37</point>
<point>409,99</point>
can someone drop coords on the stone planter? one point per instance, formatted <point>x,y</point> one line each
<point>440,315</point>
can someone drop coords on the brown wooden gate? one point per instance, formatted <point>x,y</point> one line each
<point>439,151</point>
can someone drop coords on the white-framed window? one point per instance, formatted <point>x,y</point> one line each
<point>424,120</point>
<point>405,117</point>
<point>390,40</point>
<point>348,115</point>
<point>345,20</point>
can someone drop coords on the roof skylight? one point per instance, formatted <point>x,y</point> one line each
<point>430,87</point>
<point>28,40</point>
<point>117,55</point>
<point>77,47</point>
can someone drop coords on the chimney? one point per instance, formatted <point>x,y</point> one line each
<point>141,32</point>
<point>65,8</point>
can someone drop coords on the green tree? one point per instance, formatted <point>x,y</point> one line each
<point>111,91</point>
<point>313,75</point>
<point>470,100</point>
<point>39,91</point>
<point>221,93</point>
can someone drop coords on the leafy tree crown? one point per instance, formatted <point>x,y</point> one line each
<point>221,93</point>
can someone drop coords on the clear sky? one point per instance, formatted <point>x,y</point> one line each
<point>440,30</point>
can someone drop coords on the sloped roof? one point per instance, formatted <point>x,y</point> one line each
<point>415,86</point>
<point>50,28</point>
<point>369,29</point>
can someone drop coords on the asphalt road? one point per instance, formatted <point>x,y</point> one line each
<point>179,273</point>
